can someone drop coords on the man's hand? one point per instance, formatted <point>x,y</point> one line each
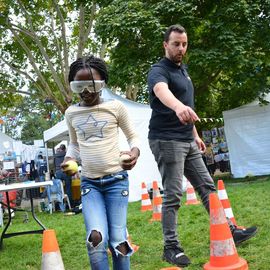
<point>200,143</point>
<point>128,164</point>
<point>186,114</point>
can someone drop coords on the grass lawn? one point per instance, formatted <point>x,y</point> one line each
<point>249,201</point>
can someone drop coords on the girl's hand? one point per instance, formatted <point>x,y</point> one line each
<point>129,163</point>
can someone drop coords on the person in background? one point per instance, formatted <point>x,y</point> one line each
<point>12,195</point>
<point>175,143</point>
<point>41,167</point>
<point>3,173</point>
<point>210,161</point>
<point>52,175</point>
<point>60,174</point>
<point>93,126</point>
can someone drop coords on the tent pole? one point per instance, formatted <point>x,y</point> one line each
<point>47,158</point>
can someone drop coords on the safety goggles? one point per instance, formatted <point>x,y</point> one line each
<point>90,86</point>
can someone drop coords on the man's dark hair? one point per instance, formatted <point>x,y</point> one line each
<point>173,28</point>
<point>88,63</point>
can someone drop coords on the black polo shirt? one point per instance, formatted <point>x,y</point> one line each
<point>164,124</point>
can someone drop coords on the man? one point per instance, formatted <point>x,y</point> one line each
<point>175,143</point>
<point>60,174</point>
<point>41,167</point>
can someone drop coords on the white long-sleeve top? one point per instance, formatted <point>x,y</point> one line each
<point>94,136</point>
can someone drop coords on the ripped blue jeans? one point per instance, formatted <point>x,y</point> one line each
<point>104,207</point>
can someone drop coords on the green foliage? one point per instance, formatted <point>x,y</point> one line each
<point>7,101</point>
<point>228,57</point>
<point>39,39</point>
<point>31,131</point>
<point>22,117</point>
<point>128,23</point>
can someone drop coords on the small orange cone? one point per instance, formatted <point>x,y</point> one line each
<point>51,256</point>
<point>135,247</point>
<point>146,202</point>
<point>157,203</point>
<point>223,197</point>
<point>191,195</point>
<point>223,253</point>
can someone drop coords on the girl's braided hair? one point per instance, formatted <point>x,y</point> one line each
<point>88,63</point>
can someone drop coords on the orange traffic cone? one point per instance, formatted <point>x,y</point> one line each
<point>135,247</point>
<point>191,195</point>
<point>157,203</point>
<point>223,197</point>
<point>146,202</point>
<point>223,253</point>
<point>51,256</point>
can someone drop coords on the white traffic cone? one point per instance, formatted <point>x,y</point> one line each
<point>51,256</point>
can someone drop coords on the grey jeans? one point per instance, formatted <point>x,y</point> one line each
<point>175,159</point>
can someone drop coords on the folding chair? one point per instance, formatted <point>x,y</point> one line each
<point>56,193</point>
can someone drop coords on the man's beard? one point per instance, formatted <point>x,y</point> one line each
<point>177,59</point>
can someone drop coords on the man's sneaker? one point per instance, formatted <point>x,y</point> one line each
<point>176,256</point>
<point>241,235</point>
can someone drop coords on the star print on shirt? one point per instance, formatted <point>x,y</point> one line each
<point>91,128</point>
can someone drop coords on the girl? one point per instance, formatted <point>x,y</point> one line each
<point>93,131</point>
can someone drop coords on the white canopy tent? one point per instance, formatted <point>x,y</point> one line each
<point>21,152</point>
<point>6,143</point>
<point>146,168</point>
<point>247,130</point>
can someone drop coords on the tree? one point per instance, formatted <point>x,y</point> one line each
<point>228,55</point>
<point>39,39</point>
<point>28,118</point>
<point>31,131</point>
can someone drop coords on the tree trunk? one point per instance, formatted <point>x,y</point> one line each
<point>131,92</point>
